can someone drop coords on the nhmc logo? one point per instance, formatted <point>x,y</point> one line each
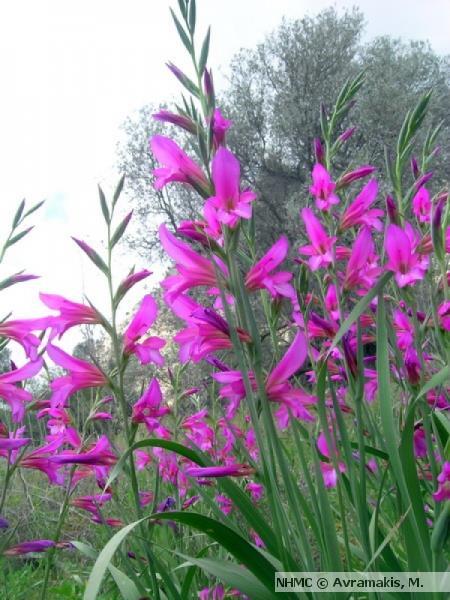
<point>287,583</point>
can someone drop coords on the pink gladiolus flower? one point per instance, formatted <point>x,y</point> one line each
<point>412,366</point>
<point>198,431</point>
<point>178,166</point>
<point>229,203</point>
<point>11,442</point>
<point>421,205</point>
<point>21,332</point>
<point>195,231</point>
<point>331,303</point>
<point>420,444</point>
<point>81,375</point>
<point>16,396</point>
<point>444,315</point>
<point>404,330</point>
<point>142,459</point>
<point>321,248</point>
<point>359,211</point>
<point>224,503</point>
<point>70,313</point>
<point>233,389</point>
<point>234,470</point>
<point>256,490</point>
<point>149,409</point>
<point>407,265</point>
<point>99,455</point>
<point>322,188</point>
<point>214,593</point>
<point>329,473</point>
<point>292,400</point>
<point>193,269</point>
<point>91,503</point>
<point>259,277</point>
<point>148,350</point>
<point>362,269</point>
<point>41,460</point>
<point>278,388</point>
<point>207,331</point>
<point>28,547</point>
<point>443,491</point>
<point>219,126</point>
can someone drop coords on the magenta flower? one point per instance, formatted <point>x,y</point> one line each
<point>443,491</point>
<point>321,248</point>
<point>178,166</point>
<point>401,244</point>
<point>420,443</point>
<point>322,188</point>
<point>421,205</point>
<point>256,490</point>
<point>195,231</point>
<point>11,442</point>
<point>206,330</point>
<point>233,389</point>
<point>21,332</point>
<point>292,400</point>
<point>362,268</point>
<point>229,203</point>
<point>359,211</point>
<point>41,460</point>
<point>99,455</point>
<point>193,269</point>
<point>142,459</point>
<point>234,470</point>
<point>148,350</point>
<point>27,547</point>
<point>149,409</point>
<point>444,315</point>
<point>81,375</point>
<point>331,302</point>
<point>91,503</point>
<point>15,396</point>
<point>412,366</point>
<point>330,476</point>
<point>70,313</point>
<point>219,126</point>
<point>198,431</point>
<point>260,276</point>
<point>404,330</point>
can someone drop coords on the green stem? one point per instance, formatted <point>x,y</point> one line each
<point>59,526</point>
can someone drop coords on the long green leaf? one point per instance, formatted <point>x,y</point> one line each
<point>235,576</point>
<point>126,586</point>
<point>103,561</point>
<point>236,545</point>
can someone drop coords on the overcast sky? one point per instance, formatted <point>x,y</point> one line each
<point>73,70</point>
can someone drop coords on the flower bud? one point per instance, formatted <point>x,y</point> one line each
<point>423,180</point>
<point>352,176</point>
<point>318,150</point>
<point>391,208</point>
<point>346,135</point>
<point>415,167</point>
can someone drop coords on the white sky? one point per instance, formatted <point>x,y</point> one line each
<point>72,70</point>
